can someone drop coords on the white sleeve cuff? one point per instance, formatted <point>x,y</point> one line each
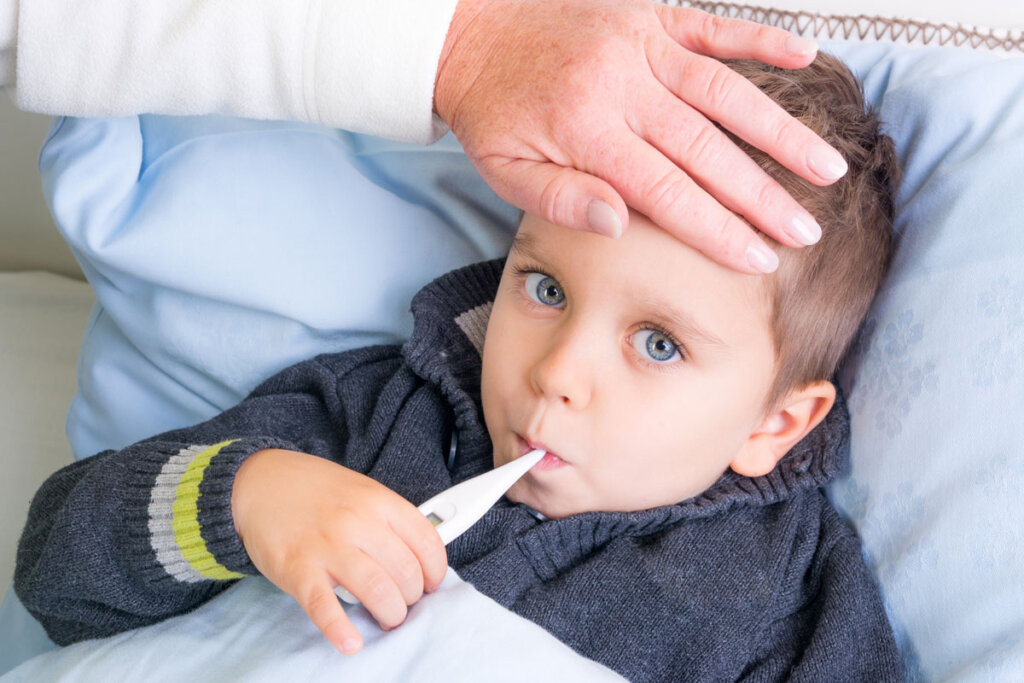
<point>362,65</point>
<point>376,63</point>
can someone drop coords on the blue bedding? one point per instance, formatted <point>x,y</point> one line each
<point>254,632</point>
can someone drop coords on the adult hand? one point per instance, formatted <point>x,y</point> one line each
<point>572,109</point>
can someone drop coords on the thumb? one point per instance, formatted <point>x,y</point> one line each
<point>559,195</point>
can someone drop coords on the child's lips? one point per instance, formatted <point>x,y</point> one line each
<point>550,460</point>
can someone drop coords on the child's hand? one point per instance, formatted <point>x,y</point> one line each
<point>310,524</point>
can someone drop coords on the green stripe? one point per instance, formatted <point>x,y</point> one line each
<point>187,532</point>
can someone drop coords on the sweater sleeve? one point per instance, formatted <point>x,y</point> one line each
<point>364,66</point>
<point>130,537</point>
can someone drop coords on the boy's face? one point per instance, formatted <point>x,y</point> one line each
<point>638,362</point>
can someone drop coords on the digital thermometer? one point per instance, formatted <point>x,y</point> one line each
<point>454,510</point>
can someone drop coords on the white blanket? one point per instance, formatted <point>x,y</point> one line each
<point>254,632</point>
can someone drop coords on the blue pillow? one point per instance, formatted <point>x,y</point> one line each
<point>936,378</point>
<point>222,250</point>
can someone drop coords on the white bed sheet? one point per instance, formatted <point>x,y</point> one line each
<point>253,632</point>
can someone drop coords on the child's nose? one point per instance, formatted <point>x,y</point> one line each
<point>563,373</point>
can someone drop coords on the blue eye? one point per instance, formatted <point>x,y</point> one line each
<point>544,289</point>
<point>656,345</point>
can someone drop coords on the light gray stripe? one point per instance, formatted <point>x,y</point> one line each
<point>474,324</point>
<point>161,516</point>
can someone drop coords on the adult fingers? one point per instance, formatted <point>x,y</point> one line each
<point>726,172</point>
<point>316,597</point>
<point>670,198</point>
<point>724,96</point>
<point>727,38</point>
<point>558,194</point>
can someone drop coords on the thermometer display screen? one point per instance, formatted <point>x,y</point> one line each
<point>434,519</point>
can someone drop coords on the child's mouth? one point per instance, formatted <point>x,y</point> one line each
<point>550,460</point>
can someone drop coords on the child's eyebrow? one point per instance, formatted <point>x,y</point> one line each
<point>525,245</point>
<point>680,321</point>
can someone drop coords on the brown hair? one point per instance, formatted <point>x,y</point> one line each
<point>820,294</point>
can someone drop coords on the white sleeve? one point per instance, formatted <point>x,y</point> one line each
<point>8,36</point>
<point>362,65</point>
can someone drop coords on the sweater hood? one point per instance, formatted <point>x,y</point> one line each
<point>450,320</point>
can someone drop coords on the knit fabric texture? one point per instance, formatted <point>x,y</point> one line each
<point>754,579</point>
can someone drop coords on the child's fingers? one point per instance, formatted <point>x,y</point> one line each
<point>318,600</point>
<point>372,584</point>
<point>422,540</point>
<point>395,558</point>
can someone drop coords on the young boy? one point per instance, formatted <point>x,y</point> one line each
<point>677,528</point>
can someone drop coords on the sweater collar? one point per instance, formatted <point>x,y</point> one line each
<point>449,322</point>
<point>450,319</point>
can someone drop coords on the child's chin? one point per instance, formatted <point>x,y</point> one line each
<point>522,495</point>
<point>548,509</point>
<point>516,494</point>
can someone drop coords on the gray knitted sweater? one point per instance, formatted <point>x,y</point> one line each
<point>755,579</point>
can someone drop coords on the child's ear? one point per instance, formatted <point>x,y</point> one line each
<point>782,429</point>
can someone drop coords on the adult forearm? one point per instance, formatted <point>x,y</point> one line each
<point>362,66</point>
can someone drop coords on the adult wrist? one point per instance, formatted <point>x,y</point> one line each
<point>461,57</point>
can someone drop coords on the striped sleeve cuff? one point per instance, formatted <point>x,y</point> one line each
<point>185,505</point>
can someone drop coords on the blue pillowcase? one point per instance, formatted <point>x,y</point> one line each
<point>936,378</point>
<point>222,250</point>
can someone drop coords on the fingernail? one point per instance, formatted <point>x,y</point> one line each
<point>350,646</point>
<point>603,220</point>
<point>803,228</point>
<point>801,46</point>
<point>761,258</point>
<point>827,163</point>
